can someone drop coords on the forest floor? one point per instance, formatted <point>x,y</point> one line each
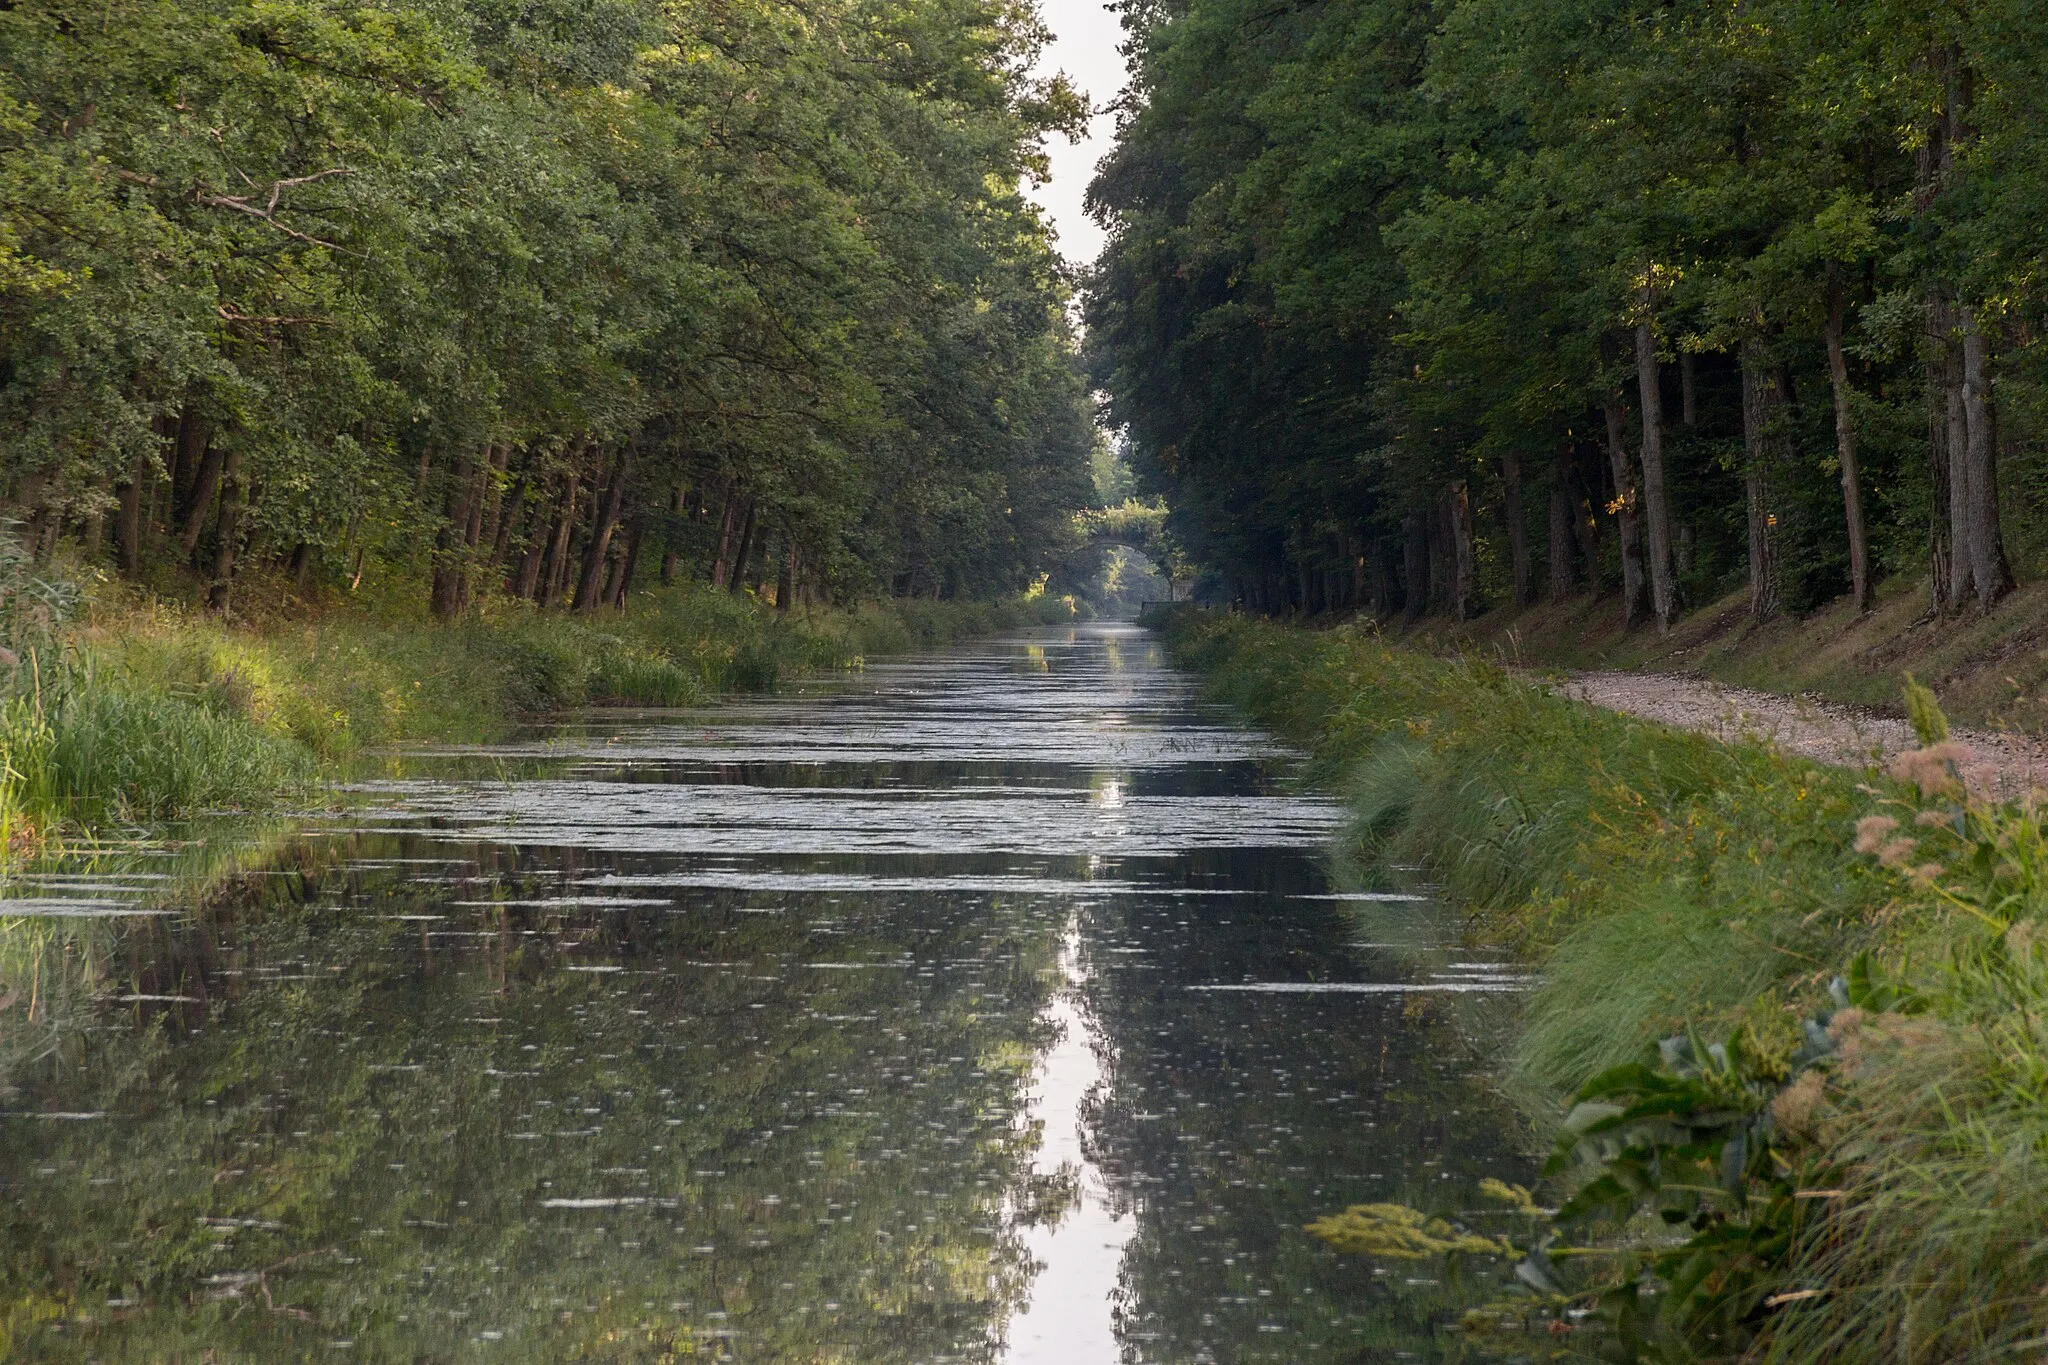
<point>1990,669</point>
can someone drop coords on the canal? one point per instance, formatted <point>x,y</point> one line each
<point>993,1005</point>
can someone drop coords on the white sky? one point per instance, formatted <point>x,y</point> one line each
<point>1084,46</point>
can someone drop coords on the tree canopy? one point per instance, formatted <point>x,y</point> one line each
<point>517,295</point>
<point>1745,294</point>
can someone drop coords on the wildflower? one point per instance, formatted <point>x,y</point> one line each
<point>1795,1105</point>
<point>1935,770</point>
<point>1870,832</point>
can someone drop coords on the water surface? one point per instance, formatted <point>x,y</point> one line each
<point>990,1006</point>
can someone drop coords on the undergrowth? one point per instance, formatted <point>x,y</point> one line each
<point>1796,1012</point>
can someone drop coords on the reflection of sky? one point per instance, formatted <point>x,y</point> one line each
<point>1069,1320</point>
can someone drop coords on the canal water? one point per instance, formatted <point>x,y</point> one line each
<point>996,1005</point>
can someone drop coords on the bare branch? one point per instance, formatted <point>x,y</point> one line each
<point>240,203</point>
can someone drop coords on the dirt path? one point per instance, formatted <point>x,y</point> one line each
<point>2010,765</point>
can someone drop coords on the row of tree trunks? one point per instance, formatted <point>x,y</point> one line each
<point>555,565</point>
<point>590,583</point>
<point>450,553</point>
<point>728,529</point>
<point>1966,543</point>
<point>678,507</point>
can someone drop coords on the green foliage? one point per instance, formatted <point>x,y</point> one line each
<point>1925,712</point>
<point>394,293</point>
<point>1400,1232</point>
<point>1384,278</point>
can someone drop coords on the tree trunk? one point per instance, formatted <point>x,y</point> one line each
<point>1415,564</point>
<point>128,521</point>
<point>1656,502</point>
<point>1760,403</point>
<point>510,511</point>
<point>1442,574</point>
<point>557,564</point>
<point>1382,572</point>
<point>483,511</point>
<point>188,451</point>
<point>785,587</point>
<point>228,537</point>
<point>1934,161</point>
<point>590,583</point>
<point>1860,591</point>
<point>1562,581</point>
<point>1634,588</point>
<point>1962,555</point>
<point>668,551</point>
<point>1988,564</point>
<point>1687,410</point>
<point>635,529</point>
<point>941,589</point>
<point>527,584</point>
<point>1518,529</point>
<point>1458,521</point>
<point>746,547</point>
<point>728,528</point>
<point>444,597</point>
<point>496,497</point>
<point>204,485</point>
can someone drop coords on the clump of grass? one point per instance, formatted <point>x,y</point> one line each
<point>625,674</point>
<point>75,753</point>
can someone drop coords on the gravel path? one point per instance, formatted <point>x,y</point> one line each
<point>2010,765</point>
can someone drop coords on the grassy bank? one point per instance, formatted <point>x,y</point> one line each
<point>136,709</point>
<point>1837,1152</point>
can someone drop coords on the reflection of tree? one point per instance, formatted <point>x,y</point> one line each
<point>1228,1121</point>
<point>416,1134</point>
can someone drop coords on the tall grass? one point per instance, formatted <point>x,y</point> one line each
<point>1666,881</point>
